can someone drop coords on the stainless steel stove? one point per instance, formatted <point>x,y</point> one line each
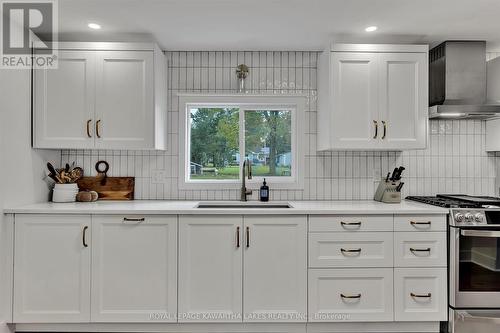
<point>474,261</point>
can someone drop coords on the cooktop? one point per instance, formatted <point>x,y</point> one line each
<point>458,201</point>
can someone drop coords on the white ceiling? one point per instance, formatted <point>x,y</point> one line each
<point>279,24</point>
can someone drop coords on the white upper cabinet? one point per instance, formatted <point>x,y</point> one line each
<point>103,96</point>
<point>64,102</point>
<point>373,97</point>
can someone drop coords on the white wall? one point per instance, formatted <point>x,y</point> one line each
<point>455,160</point>
<point>22,169</point>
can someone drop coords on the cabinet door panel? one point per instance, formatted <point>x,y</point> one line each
<point>64,102</point>
<point>125,99</point>
<point>210,268</point>
<point>134,269</point>
<point>403,99</point>
<point>51,269</point>
<point>355,100</point>
<point>275,268</point>
<point>354,294</point>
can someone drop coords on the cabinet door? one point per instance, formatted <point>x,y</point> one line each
<point>275,268</point>
<point>355,101</point>
<point>134,269</point>
<point>210,268</point>
<point>124,100</point>
<point>63,108</point>
<point>403,100</point>
<point>420,294</point>
<point>52,269</point>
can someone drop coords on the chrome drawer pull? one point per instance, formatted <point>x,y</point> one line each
<point>135,220</point>
<point>351,296</point>
<point>420,250</point>
<point>350,250</point>
<point>429,295</point>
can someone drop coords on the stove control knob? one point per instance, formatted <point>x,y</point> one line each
<point>469,217</point>
<point>459,217</point>
<point>479,218</point>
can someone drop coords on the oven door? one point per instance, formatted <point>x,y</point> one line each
<point>474,267</point>
<point>474,321</point>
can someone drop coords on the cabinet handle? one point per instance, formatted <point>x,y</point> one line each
<point>135,220</point>
<point>97,133</point>
<point>238,237</point>
<point>385,129</point>
<point>350,250</point>
<point>84,237</point>
<point>248,236</point>
<point>413,223</point>
<point>420,250</point>
<point>346,224</point>
<point>429,295</point>
<point>350,296</point>
<point>88,128</point>
<point>375,123</point>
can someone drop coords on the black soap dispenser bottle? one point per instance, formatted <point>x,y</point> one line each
<point>264,192</point>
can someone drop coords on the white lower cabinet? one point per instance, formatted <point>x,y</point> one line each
<point>134,269</point>
<point>210,268</point>
<point>52,269</point>
<point>420,249</point>
<point>350,294</point>
<point>364,249</point>
<point>275,269</point>
<point>420,294</point>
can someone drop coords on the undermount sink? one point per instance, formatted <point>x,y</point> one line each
<point>238,204</point>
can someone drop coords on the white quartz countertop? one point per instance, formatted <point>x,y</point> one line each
<point>161,207</point>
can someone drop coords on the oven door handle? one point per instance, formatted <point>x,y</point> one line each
<point>480,233</point>
<point>464,315</point>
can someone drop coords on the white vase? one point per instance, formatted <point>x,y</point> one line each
<point>65,193</point>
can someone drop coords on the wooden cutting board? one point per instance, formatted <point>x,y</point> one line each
<point>114,188</point>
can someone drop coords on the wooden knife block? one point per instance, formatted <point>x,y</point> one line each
<point>387,193</point>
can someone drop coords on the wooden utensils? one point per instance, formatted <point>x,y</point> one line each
<point>67,175</point>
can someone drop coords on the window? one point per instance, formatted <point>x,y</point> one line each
<point>221,132</point>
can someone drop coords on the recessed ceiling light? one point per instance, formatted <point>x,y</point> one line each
<point>371,28</point>
<point>94,26</point>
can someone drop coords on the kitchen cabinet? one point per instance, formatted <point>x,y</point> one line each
<point>64,102</point>
<point>232,270</point>
<point>275,268</point>
<point>102,96</point>
<point>351,294</point>
<point>52,269</point>
<point>373,97</point>
<point>420,292</point>
<point>210,268</point>
<point>134,268</point>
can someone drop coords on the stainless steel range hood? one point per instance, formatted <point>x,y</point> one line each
<point>457,81</point>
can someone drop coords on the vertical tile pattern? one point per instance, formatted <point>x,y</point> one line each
<point>455,160</point>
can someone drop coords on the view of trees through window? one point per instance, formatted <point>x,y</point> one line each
<point>216,149</point>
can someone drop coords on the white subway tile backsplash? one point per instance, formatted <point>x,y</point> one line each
<point>455,160</point>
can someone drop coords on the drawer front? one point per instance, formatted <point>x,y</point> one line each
<point>367,249</point>
<point>420,222</point>
<point>340,295</point>
<point>419,249</point>
<point>351,223</point>
<point>420,294</point>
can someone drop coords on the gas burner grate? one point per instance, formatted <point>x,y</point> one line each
<point>443,202</point>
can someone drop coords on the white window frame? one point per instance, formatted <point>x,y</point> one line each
<point>294,103</point>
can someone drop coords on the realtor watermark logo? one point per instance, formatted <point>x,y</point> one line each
<point>28,34</point>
